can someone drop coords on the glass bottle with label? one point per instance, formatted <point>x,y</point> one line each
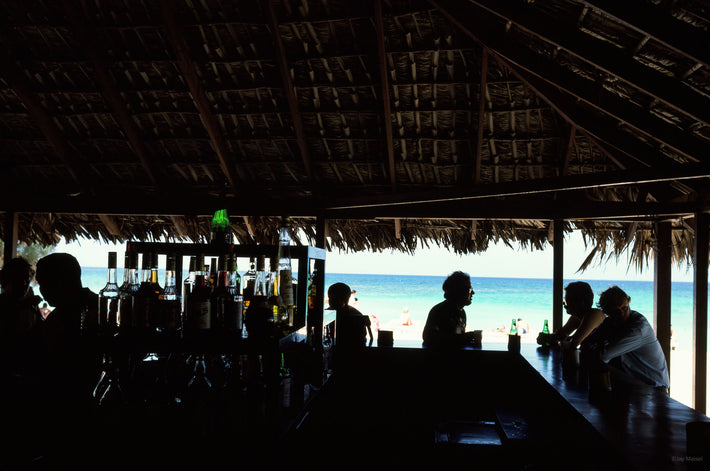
<point>155,312</point>
<point>108,300</point>
<point>145,299</point>
<point>285,284</point>
<point>127,291</point>
<point>221,301</point>
<point>260,283</point>
<point>189,283</point>
<point>249,281</point>
<point>170,302</point>
<point>198,315</point>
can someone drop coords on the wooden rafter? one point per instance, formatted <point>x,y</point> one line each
<point>605,57</point>
<point>77,169</point>
<point>481,115</point>
<point>568,151</point>
<point>549,79</point>
<point>655,21</point>
<point>88,41</point>
<point>288,88</point>
<point>385,87</point>
<point>177,41</point>
<point>110,224</point>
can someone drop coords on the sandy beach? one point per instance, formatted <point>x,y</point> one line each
<point>680,367</point>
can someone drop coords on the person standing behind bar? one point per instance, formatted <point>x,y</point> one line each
<point>351,326</point>
<point>68,359</point>
<point>446,324</point>
<point>583,319</point>
<point>627,341</point>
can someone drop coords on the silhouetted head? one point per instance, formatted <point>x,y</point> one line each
<point>615,304</point>
<point>579,297</point>
<point>338,295</point>
<point>59,278</point>
<point>457,288</point>
<point>15,277</point>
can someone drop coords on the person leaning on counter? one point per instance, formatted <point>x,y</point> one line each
<point>627,341</point>
<point>446,324</point>
<point>583,319</point>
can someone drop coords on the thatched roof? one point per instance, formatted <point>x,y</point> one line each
<point>398,121</point>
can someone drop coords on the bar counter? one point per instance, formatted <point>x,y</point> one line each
<point>408,406</point>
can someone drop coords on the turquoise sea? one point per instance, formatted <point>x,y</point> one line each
<point>495,303</point>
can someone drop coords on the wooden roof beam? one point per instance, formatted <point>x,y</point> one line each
<point>110,224</point>
<point>88,41</point>
<point>287,83</point>
<point>78,170</point>
<point>598,53</point>
<point>655,21</point>
<point>485,33</point>
<point>481,116</point>
<point>384,85</point>
<point>231,170</point>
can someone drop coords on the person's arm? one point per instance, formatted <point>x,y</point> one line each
<point>570,326</point>
<point>368,324</point>
<point>634,337</point>
<point>590,321</point>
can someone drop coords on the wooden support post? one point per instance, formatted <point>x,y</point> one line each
<point>662,288</point>
<point>558,273</point>
<point>700,313</point>
<point>11,234</point>
<point>315,316</point>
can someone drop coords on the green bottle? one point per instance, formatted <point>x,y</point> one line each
<point>513,328</point>
<point>545,329</point>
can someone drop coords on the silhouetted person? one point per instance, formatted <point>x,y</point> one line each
<point>584,318</point>
<point>70,359</point>
<point>351,326</point>
<point>19,314</point>
<point>627,341</point>
<point>446,324</point>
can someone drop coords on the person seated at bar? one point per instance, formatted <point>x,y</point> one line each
<point>626,341</point>
<point>70,361</point>
<point>446,323</point>
<point>584,318</point>
<point>351,326</point>
<point>20,315</point>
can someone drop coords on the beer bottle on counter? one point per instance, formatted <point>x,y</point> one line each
<point>169,301</point>
<point>108,300</point>
<point>127,291</point>
<point>198,315</point>
<point>514,328</point>
<point>545,328</point>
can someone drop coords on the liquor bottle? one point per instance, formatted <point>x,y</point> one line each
<point>197,314</point>
<point>234,321</point>
<point>212,270</point>
<point>169,301</point>
<point>272,281</point>
<point>145,299</point>
<point>221,301</point>
<point>514,328</point>
<point>285,283</point>
<point>260,282</point>
<point>189,283</point>
<point>108,300</point>
<point>312,288</point>
<point>285,384</point>
<point>249,282</point>
<point>127,291</point>
<point>221,229</point>
<point>545,328</point>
